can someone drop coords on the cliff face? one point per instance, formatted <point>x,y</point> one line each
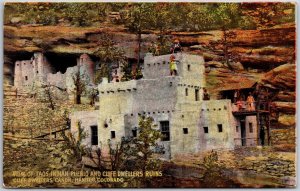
<point>269,46</point>
<point>259,51</point>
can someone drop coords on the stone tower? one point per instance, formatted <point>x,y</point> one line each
<point>87,62</point>
<point>18,74</point>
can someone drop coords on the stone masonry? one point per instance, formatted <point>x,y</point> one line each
<point>32,73</point>
<point>175,103</point>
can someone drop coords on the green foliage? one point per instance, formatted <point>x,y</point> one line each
<point>74,142</point>
<point>269,14</point>
<point>138,17</point>
<point>144,145</point>
<point>129,73</point>
<point>210,160</point>
<point>140,149</point>
<point>214,175</point>
<point>160,16</point>
<point>165,42</point>
<point>108,52</point>
<point>102,72</point>
<point>80,81</point>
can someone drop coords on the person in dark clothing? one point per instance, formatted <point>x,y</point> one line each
<point>205,94</point>
<point>262,135</point>
<point>176,47</point>
<point>236,95</point>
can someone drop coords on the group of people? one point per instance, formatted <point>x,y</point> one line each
<point>239,98</point>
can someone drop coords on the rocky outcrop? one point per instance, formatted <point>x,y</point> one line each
<point>272,46</point>
<point>275,45</point>
<point>285,107</point>
<point>282,77</point>
<point>258,51</point>
<point>287,120</point>
<point>286,96</point>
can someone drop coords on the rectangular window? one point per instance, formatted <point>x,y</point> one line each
<point>94,133</point>
<point>250,128</point>
<point>196,95</point>
<point>237,129</point>
<point>26,78</point>
<point>220,128</point>
<point>134,133</point>
<point>112,134</point>
<point>185,131</point>
<point>205,129</point>
<point>165,130</point>
<point>186,91</point>
<point>189,67</point>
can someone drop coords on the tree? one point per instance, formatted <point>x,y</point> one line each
<point>80,82</point>
<point>269,14</point>
<point>130,73</point>
<point>213,174</point>
<point>144,147</point>
<point>109,54</point>
<point>137,21</point>
<point>102,72</point>
<point>74,142</point>
<point>49,96</point>
<point>131,153</point>
<point>226,16</point>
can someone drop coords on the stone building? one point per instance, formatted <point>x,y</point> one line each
<point>189,123</point>
<point>36,71</point>
<point>29,71</point>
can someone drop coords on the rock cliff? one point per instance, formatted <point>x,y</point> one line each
<point>264,55</point>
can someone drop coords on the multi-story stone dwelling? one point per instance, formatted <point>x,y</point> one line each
<point>189,123</point>
<point>38,70</point>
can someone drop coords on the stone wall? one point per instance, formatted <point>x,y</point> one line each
<point>273,167</point>
<point>41,67</point>
<point>217,116</point>
<point>156,66</point>
<point>86,119</point>
<point>284,139</point>
<point>190,67</point>
<point>69,81</point>
<point>108,125</point>
<point>29,72</point>
<point>156,95</point>
<point>185,132</point>
<point>23,74</point>
<point>87,62</point>
<point>58,79</point>
<point>37,71</point>
<point>250,134</point>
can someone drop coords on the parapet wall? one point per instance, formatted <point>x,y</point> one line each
<point>128,86</point>
<point>216,116</point>
<point>58,79</point>
<point>190,67</point>
<point>156,66</point>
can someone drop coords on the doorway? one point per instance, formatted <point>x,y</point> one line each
<point>243,132</point>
